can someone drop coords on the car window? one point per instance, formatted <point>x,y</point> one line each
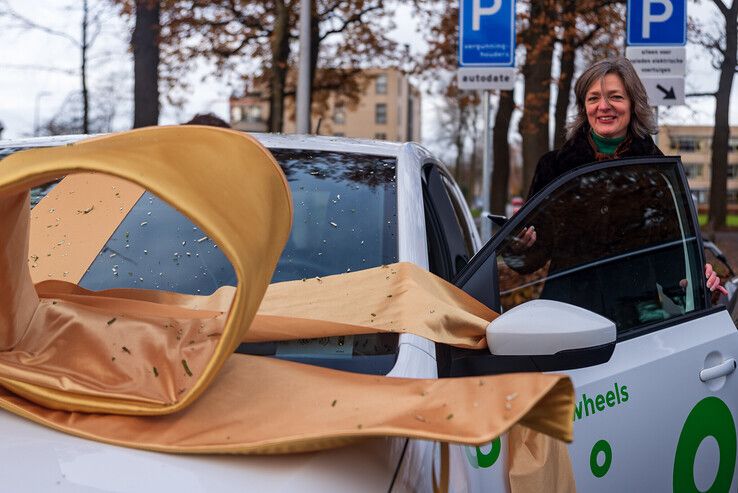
<point>460,219</point>
<point>618,241</point>
<point>448,248</point>
<point>345,219</point>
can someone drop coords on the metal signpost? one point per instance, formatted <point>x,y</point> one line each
<point>303,82</point>
<point>656,35</point>
<point>486,61</point>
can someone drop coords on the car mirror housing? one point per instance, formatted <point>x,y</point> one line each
<point>546,327</point>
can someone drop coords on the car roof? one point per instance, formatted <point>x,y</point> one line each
<point>285,141</point>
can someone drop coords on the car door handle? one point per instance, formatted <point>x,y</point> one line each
<point>725,368</point>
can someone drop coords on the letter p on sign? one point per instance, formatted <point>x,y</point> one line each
<point>648,16</point>
<point>478,11</point>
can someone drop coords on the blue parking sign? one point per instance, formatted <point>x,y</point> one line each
<point>657,22</point>
<point>486,33</point>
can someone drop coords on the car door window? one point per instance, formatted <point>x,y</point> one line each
<point>618,240</point>
<point>449,251</point>
<point>464,226</point>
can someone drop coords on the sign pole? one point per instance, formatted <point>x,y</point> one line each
<point>486,169</point>
<point>656,121</point>
<point>486,61</point>
<point>303,74</point>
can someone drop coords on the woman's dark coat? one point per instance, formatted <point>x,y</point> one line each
<point>579,150</point>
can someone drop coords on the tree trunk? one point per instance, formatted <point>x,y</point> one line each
<point>280,54</point>
<point>475,135</point>
<point>568,54</point>
<point>314,51</point>
<point>145,41</point>
<point>721,132</point>
<point>83,71</point>
<point>537,71</point>
<point>473,167</point>
<point>501,152</point>
<point>459,144</point>
<point>469,115</point>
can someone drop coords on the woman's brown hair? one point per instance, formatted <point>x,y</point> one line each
<point>642,122</point>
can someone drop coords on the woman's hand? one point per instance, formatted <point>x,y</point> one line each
<point>713,281</point>
<point>525,239</point>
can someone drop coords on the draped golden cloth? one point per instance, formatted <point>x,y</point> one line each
<point>156,370</point>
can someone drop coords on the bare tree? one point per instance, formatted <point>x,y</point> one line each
<point>453,129</point>
<point>722,44</point>
<point>68,120</point>
<point>91,25</point>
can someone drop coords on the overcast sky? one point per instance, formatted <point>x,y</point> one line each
<point>38,70</point>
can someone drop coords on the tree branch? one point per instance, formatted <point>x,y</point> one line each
<point>347,22</point>
<point>721,6</point>
<point>588,37</point>
<point>19,66</point>
<point>29,24</point>
<point>228,52</point>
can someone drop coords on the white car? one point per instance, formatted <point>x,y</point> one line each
<point>655,402</point>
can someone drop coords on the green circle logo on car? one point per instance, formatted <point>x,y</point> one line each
<point>600,470</point>
<point>709,418</point>
<point>480,459</point>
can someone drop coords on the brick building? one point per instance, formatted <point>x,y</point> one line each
<point>389,109</point>
<point>693,144</point>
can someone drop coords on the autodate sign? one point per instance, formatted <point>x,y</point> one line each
<point>486,44</point>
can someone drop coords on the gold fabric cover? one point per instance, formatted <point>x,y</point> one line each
<point>59,353</point>
<point>398,298</point>
<point>261,405</point>
<point>58,341</point>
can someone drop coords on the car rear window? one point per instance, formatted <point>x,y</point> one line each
<point>345,219</point>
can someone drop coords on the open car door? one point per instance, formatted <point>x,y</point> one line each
<point>654,411</point>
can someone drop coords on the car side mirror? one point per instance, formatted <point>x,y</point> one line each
<point>496,219</point>
<point>547,328</point>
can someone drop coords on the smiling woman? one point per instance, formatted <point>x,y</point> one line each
<point>608,110</point>
<point>613,120</point>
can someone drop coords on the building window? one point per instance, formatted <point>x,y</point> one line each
<point>380,113</point>
<point>339,114</point>
<point>732,196</point>
<point>733,144</point>
<point>733,171</point>
<point>688,143</point>
<point>380,136</point>
<point>236,114</point>
<point>693,170</point>
<point>701,196</point>
<point>253,113</point>
<point>380,84</point>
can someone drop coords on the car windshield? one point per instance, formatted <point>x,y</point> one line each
<point>345,219</point>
